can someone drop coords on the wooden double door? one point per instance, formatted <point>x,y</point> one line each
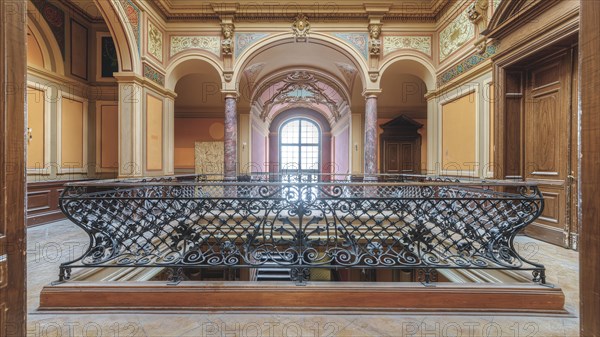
<point>541,103</point>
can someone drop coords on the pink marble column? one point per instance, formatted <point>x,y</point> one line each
<point>231,131</point>
<point>370,146</point>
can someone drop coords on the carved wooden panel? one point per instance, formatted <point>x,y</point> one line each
<point>547,141</point>
<point>392,163</point>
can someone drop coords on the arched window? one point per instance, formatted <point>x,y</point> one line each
<point>300,146</point>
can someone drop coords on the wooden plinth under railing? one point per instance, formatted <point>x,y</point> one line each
<point>315,296</point>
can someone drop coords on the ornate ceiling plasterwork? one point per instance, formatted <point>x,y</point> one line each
<point>299,88</point>
<point>186,42</point>
<point>419,43</point>
<point>348,71</point>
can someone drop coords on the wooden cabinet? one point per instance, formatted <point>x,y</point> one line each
<point>400,146</point>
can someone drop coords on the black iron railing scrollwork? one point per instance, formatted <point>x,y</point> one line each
<point>302,223</point>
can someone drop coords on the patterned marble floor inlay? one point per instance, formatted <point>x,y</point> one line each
<point>49,245</point>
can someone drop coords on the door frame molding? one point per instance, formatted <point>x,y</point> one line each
<point>13,84</point>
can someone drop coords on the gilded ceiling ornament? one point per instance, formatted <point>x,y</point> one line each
<point>301,27</point>
<point>227,42</point>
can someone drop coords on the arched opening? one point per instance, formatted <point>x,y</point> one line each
<point>402,104</point>
<point>300,146</point>
<point>198,117</point>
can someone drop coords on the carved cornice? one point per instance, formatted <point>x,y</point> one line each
<point>422,11</point>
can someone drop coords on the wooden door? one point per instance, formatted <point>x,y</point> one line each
<point>400,156</point>
<point>12,168</point>
<point>548,144</point>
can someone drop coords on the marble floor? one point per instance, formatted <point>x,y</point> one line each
<point>49,245</point>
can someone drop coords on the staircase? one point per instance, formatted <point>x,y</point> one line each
<point>273,271</point>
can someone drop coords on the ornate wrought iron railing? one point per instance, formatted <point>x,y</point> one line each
<point>301,223</point>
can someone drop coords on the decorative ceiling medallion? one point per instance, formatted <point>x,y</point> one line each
<point>300,87</point>
<point>301,28</point>
<point>360,41</point>
<point>155,41</point>
<point>455,35</point>
<point>182,43</point>
<point>418,43</point>
<point>245,40</point>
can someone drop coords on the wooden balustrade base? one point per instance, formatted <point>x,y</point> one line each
<point>315,296</point>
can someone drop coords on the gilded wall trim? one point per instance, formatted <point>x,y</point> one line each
<point>420,43</point>
<point>153,75</point>
<point>186,42</point>
<point>466,64</point>
<point>155,41</point>
<point>455,35</point>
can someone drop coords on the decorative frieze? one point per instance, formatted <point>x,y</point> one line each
<point>466,64</point>
<point>153,75</point>
<point>360,41</point>
<point>245,40</point>
<point>455,35</point>
<point>155,41</point>
<point>132,14</point>
<point>182,43</point>
<point>418,43</point>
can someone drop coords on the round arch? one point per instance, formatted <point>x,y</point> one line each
<point>125,42</point>
<point>53,59</point>
<point>415,65</point>
<point>281,38</point>
<point>188,63</point>
<point>306,113</point>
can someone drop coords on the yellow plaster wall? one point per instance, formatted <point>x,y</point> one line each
<point>72,133</point>
<point>36,122</point>
<point>34,52</point>
<point>459,133</point>
<point>109,137</point>
<point>154,133</point>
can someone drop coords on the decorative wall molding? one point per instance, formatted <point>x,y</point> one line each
<point>360,41</point>
<point>132,13</point>
<point>155,41</point>
<point>455,35</point>
<point>466,64</point>
<point>181,43</point>
<point>419,43</point>
<point>154,75</point>
<point>245,40</point>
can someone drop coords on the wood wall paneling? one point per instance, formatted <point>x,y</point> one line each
<point>589,257</point>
